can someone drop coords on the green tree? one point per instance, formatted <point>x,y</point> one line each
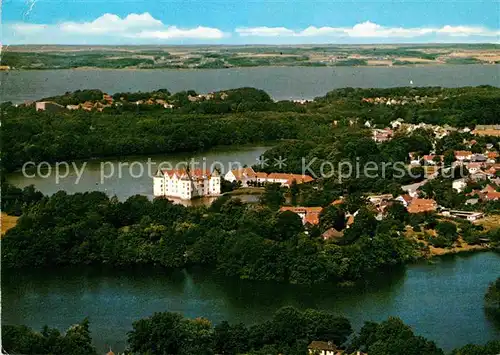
<point>332,217</point>
<point>492,301</point>
<point>288,225</point>
<point>273,196</point>
<point>393,337</point>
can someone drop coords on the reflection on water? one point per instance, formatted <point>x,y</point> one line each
<point>119,178</point>
<point>433,298</point>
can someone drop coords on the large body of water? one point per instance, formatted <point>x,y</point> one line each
<point>280,82</point>
<point>441,301</point>
<point>123,177</point>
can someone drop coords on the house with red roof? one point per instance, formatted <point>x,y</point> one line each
<point>421,205</point>
<point>462,155</point>
<point>309,215</point>
<point>243,175</point>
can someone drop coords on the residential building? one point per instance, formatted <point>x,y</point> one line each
<point>87,106</point>
<point>287,179</point>
<point>480,158</point>
<point>49,106</point>
<point>243,175</point>
<point>309,215</point>
<point>414,159</point>
<point>472,201</point>
<point>492,157</point>
<point>382,135</point>
<point>480,175</point>
<point>377,199</point>
<point>404,199</point>
<point>186,184</point>
<point>248,175</point>
<point>420,205</point>
<point>431,159</point>
<point>323,348</point>
<point>492,196</point>
<point>489,188</point>
<point>459,185</point>
<point>471,216</point>
<point>474,167</point>
<point>332,234</point>
<point>487,130</point>
<point>462,155</point>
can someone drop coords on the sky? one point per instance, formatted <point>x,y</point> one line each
<point>249,21</point>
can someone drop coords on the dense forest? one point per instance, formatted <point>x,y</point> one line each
<point>246,241</point>
<point>289,331</point>
<point>239,116</point>
<point>232,238</point>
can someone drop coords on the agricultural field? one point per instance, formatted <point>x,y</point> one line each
<point>218,57</point>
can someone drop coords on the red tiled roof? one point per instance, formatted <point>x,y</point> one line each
<point>183,172</point>
<point>462,153</point>
<point>492,195</point>
<point>489,188</point>
<point>311,213</point>
<point>420,205</point>
<point>492,155</point>
<point>474,165</point>
<point>332,233</point>
<point>407,198</point>
<point>337,202</point>
<point>431,157</point>
<point>290,177</point>
<point>261,175</point>
<point>240,173</point>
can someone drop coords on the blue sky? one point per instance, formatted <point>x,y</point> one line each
<point>248,22</point>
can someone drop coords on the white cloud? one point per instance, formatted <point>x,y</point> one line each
<point>144,28</point>
<point>108,27</point>
<point>174,32</point>
<point>367,30</point>
<point>467,31</point>
<point>112,23</point>
<point>264,31</point>
<point>27,28</point>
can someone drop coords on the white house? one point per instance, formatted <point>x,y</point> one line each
<point>404,199</point>
<point>459,185</point>
<point>322,348</point>
<point>186,184</point>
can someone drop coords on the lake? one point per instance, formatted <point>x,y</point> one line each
<point>441,301</point>
<point>280,82</point>
<point>130,175</point>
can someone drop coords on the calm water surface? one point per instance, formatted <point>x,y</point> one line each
<point>125,181</point>
<point>280,82</point>
<point>442,301</point>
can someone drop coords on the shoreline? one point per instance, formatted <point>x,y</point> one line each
<point>412,65</point>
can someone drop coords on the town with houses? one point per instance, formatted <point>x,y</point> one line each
<point>108,101</point>
<point>481,167</point>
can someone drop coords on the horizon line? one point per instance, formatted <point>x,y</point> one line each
<point>253,44</point>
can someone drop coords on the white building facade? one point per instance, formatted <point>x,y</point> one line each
<point>185,184</point>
